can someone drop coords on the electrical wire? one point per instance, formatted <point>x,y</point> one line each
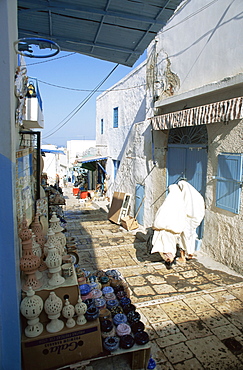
<point>83,90</point>
<point>77,109</point>
<point>51,60</point>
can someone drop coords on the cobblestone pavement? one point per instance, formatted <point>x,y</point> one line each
<point>193,314</point>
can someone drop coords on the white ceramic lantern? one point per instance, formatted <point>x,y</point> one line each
<point>53,308</point>
<point>31,307</point>
<point>53,262</point>
<point>68,312</point>
<point>81,309</point>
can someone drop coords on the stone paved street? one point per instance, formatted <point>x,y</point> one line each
<point>193,314</point>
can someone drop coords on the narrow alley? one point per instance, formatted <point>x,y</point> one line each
<point>192,313</point>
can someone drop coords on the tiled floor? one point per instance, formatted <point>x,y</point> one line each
<point>194,315</point>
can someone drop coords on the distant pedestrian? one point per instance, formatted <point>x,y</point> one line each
<point>64,181</point>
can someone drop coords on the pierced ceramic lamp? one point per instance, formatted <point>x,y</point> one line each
<point>53,262</point>
<point>36,249</point>
<point>29,263</point>
<point>57,228</point>
<point>31,307</point>
<point>53,308</point>
<point>81,309</point>
<point>68,312</point>
<point>40,238</point>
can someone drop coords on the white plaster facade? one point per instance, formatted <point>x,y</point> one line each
<point>128,95</point>
<point>195,60</point>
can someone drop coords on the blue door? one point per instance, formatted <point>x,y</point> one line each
<point>139,203</point>
<point>189,162</point>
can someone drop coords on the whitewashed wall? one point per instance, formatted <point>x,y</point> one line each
<point>129,96</point>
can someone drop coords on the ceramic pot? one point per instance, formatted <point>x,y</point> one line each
<point>124,301</point>
<point>121,294</point>
<point>92,313</point>
<point>105,314</point>
<point>119,318</point>
<point>84,289</point>
<point>96,293</point>
<point>126,341</point>
<point>106,326</point>
<point>123,329</point>
<point>112,303</point>
<point>89,302</point>
<point>141,337</point>
<point>137,327</point>
<point>115,310</point>
<point>107,289</point>
<point>113,274</point>
<point>133,316</point>
<point>111,343</point>
<point>105,281</point>
<point>100,303</point>
<point>110,296</point>
<point>128,308</point>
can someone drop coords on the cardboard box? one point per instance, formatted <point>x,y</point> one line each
<point>129,223</point>
<point>68,290</point>
<point>68,346</point>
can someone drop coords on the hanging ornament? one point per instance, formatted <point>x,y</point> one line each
<point>31,307</point>
<point>68,312</point>
<point>53,308</point>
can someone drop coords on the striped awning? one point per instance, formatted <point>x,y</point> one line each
<point>222,111</point>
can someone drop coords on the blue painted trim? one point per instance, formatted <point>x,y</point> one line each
<point>10,331</point>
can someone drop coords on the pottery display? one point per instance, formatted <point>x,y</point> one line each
<point>31,307</point>
<point>68,312</point>
<point>80,309</point>
<point>53,308</point>
<point>51,240</point>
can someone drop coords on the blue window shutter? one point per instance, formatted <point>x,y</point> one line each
<point>115,117</point>
<point>229,181</point>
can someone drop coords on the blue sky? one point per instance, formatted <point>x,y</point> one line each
<point>71,71</point>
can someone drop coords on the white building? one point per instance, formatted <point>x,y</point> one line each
<point>192,126</point>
